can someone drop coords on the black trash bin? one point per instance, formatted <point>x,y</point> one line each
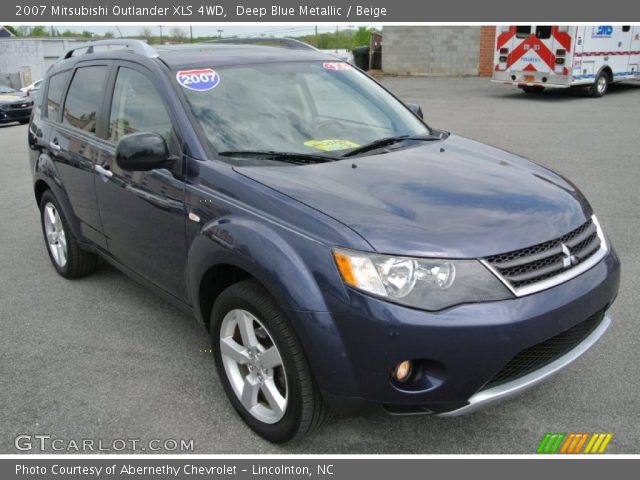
<point>361,57</point>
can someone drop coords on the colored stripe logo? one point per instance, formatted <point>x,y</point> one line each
<point>572,443</point>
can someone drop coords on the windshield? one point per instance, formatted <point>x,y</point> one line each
<point>325,108</point>
<point>5,89</point>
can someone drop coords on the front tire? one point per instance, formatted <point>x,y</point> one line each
<point>66,255</point>
<point>262,365</point>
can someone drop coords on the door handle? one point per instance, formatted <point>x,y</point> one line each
<point>54,146</point>
<point>103,171</point>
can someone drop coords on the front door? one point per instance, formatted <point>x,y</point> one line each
<point>143,213</point>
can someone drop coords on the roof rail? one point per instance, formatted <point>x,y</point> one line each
<point>137,46</point>
<point>268,41</point>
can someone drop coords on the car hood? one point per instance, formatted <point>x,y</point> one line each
<point>12,98</point>
<point>455,198</point>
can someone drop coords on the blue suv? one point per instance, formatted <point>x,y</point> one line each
<point>343,255</point>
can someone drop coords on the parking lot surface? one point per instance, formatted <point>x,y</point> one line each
<point>103,358</point>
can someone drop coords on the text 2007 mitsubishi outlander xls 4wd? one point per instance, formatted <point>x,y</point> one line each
<point>342,253</point>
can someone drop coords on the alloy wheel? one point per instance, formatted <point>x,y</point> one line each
<point>254,366</point>
<point>56,237</point>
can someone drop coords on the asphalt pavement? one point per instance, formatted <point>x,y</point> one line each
<point>103,358</point>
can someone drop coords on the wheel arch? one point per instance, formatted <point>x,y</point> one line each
<point>229,250</point>
<point>605,69</point>
<point>39,188</point>
<point>43,184</point>
<point>215,280</point>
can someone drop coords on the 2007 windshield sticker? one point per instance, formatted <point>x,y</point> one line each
<point>201,80</point>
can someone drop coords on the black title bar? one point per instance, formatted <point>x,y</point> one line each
<point>317,11</point>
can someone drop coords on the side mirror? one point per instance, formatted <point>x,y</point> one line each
<point>416,109</point>
<point>142,151</point>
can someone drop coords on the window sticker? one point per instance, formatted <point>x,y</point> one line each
<point>337,66</point>
<point>330,144</point>
<point>201,80</point>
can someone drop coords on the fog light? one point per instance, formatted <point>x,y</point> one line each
<point>403,370</point>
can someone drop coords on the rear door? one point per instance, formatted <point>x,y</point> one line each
<point>143,213</point>
<point>634,57</point>
<point>535,51</point>
<point>72,141</point>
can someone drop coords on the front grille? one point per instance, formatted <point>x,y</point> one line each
<point>531,265</point>
<point>545,352</point>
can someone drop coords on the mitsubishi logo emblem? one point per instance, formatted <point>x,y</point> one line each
<point>568,260</point>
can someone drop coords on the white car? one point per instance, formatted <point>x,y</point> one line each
<point>30,90</point>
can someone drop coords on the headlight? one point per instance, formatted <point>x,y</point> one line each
<point>428,284</point>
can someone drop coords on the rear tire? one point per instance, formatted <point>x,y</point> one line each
<point>284,402</point>
<point>66,255</point>
<point>531,89</point>
<point>600,86</point>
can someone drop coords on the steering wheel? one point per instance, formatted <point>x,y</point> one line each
<point>336,125</point>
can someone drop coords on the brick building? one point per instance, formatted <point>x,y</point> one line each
<point>438,50</point>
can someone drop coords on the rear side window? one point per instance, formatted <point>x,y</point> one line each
<point>523,31</point>
<point>137,107</point>
<point>54,94</point>
<point>83,99</point>
<point>543,32</point>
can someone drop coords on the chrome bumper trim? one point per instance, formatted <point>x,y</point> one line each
<point>496,394</point>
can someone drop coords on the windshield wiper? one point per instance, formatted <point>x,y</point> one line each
<point>291,157</point>
<point>383,142</point>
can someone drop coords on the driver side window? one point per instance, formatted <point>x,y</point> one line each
<point>137,107</point>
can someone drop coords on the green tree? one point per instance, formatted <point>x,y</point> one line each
<point>108,35</point>
<point>146,34</point>
<point>11,29</point>
<point>177,34</point>
<point>39,31</point>
<point>361,37</point>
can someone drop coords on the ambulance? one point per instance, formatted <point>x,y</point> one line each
<point>535,57</point>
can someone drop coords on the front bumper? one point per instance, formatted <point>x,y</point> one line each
<point>507,390</point>
<point>463,348</point>
<point>14,115</point>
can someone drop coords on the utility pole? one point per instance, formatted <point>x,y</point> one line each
<point>191,33</point>
<point>160,26</point>
<point>220,33</point>
<point>317,41</point>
